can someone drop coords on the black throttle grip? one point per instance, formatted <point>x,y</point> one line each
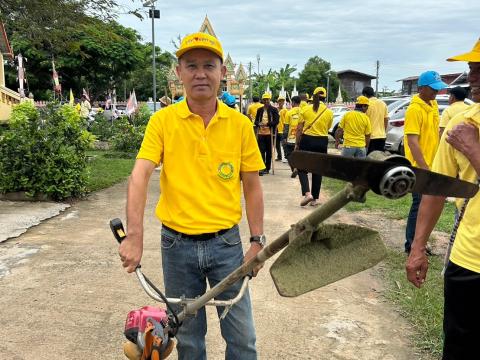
<point>117,229</point>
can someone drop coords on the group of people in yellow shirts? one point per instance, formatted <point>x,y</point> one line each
<point>305,126</point>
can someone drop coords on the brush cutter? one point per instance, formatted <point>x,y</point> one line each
<point>316,254</point>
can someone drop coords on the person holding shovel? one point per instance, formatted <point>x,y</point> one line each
<point>208,151</point>
<point>458,155</point>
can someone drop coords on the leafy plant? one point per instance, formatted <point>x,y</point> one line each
<point>102,128</point>
<point>44,152</point>
<point>127,137</point>
<point>142,115</point>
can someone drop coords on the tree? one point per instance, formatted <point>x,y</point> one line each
<point>51,21</point>
<point>98,56</point>
<point>141,78</point>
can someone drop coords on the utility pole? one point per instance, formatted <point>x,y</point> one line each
<point>328,85</point>
<point>258,63</point>
<point>154,14</point>
<point>250,90</point>
<point>376,82</point>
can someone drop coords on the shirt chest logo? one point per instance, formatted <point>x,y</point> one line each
<point>225,170</point>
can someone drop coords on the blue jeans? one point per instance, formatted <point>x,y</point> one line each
<point>354,152</point>
<point>187,265</point>
<point>412,221</point>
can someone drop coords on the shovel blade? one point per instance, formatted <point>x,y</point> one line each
<point>335,252</point>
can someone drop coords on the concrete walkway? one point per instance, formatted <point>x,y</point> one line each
<point>69,297</point>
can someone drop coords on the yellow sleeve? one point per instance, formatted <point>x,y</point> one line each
<point>368,128</point>
<point>330,119</point>
<point>251,160</point>
<point>287,118</point>
<point>152,144</point>
<point>445,118</point>
<point>413,121</point>
<point>385,111</point>
<point>444,161</point>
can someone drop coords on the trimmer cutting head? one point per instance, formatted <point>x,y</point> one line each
<point>332,253</point>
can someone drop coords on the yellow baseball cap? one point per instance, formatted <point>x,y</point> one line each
<point>266,96</point>
<point>281,98</point>
<point>472,56</point>
<point>200,41</point>
<point>320,90</point>
<point>362,100</point>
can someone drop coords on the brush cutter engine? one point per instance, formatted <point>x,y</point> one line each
<point>149,329</point>
<point>397,182</point>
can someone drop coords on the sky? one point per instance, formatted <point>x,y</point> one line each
<point>407,37</point>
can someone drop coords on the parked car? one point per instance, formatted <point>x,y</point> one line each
<point>338,112</point>
<point>391,99</point>
<point>394,141</point>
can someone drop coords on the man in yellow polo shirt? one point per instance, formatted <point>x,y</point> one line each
<point>378,114</point>
<point>355,129</point>
<point>457,105</point>
<point>458,155</point>
<point>421,137</point>
<point>208,151</point>
<point>253,107</point>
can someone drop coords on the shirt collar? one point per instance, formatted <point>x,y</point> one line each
<point>184,111</point>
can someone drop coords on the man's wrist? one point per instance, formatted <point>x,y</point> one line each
<point>259,239</point>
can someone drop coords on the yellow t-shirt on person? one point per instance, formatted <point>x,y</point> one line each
<point>252,110</point>
<point>450,112</point>
<point>321,125</point>
<point>282,113</point>
<point>200,178</point>
<point>451,162</point>
<point>377,112</point>
<point>355,125</point>
<point>422,119</point>
<point>292,119</point>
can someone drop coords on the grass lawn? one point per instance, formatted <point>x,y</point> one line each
<point>108,168</point>
<point>393,209</point>
<point>423,307</point>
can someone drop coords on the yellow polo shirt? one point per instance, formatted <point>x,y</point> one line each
<point>377,112</point>
<point>355,125</point>
<point>200,178</point>
<point>252,110</point>
<point>321,125</point>
<point>291,119</point>
<point>451,162</point>
<point>282,113</point>
<point>450,112</point>
<point>422,119</point>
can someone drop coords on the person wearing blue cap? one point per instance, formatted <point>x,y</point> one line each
<point>228,99</point>
<point>421,137</point>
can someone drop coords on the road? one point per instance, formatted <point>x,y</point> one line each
<point>68,298</point>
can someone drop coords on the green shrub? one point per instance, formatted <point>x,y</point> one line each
<point>142,115</point>
<point>101,128</point>
<point>127,137</point>
<point>44,152</point>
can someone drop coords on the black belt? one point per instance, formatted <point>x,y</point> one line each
<point>198,237</point>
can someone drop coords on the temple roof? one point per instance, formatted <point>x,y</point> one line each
<point>5,47</point>
<point>207,27</point>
